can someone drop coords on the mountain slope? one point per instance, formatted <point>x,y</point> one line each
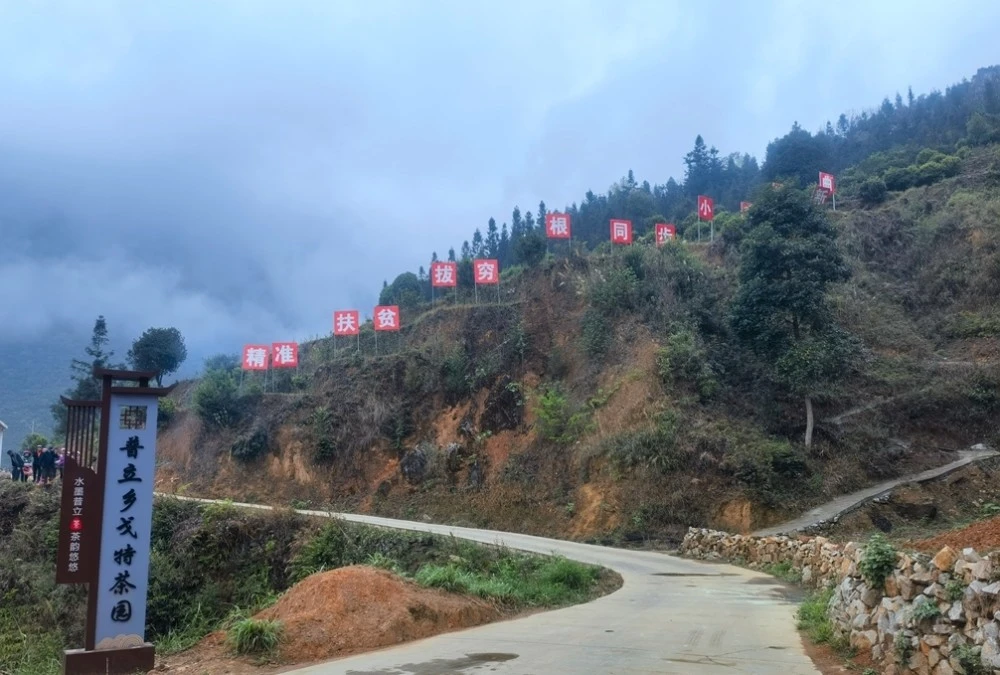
<point>605,398</point>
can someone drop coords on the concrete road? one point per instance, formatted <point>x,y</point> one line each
<point>849,502</point>
<point>671,616</point>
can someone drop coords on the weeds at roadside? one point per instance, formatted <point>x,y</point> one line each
<point>784,571</point>
<point>814,618</point>
<point>257,637</point>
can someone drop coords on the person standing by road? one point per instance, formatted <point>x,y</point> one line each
<point>16,466</point>
<point>36,464</point>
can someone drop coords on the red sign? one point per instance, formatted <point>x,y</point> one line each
<point>346,322</point>
<point>444,274</point>
<point>664,233</point>
<point>255,357</point>
<point>745,206</point>
<point>706,208</point>
<point>285,355</point>
<point>827,183</point>
<point>387,317</point>
<point>77,549</point>
<point>486,271</point>
<point>557,225</point>
<point>621,231</point>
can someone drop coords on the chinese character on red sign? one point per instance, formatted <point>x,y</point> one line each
<point>745,206</point>
<point>285,355</point>
<point>486,271</point>
<point>386,317</point>
<point>706,208</point>
<point>557,225</point>
<point>346,322</point>
<point>827,183</point>
<point>255,357</point>
<point>664,233</point>
<point>444,274</point>
<point>621,231</point>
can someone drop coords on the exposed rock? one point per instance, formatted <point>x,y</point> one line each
<point>413,465</point>
<point>945,559</point>
<point>454,454</point>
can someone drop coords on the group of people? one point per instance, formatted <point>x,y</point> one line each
<point>40,465</point>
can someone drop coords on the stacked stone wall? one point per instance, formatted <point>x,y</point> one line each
<point>932,615</point>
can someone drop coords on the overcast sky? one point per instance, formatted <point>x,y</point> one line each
<point>240,169</point>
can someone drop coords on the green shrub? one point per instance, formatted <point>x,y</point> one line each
<point>255,636</point>
<point>321,421</point>
<point>872,191</point>
<point>954,590</point>
<point>557,421</point>
<point>250,447</point>
<point>654,448</point>
<point>617,292</point>
<point>596,332</point>
<point>453,374</point>
<point>899,178</point>
<point>878,561</point>
<point>925,611</point>
<point>970,658</point>
<point>683,360</point>
<point>217,399</point>
<point>814,617</point>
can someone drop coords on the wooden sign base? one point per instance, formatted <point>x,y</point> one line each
<point>128,661</point>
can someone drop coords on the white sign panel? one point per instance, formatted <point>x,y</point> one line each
<point>128,517</point>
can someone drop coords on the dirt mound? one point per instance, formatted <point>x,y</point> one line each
<point>340,612</point>
<point>982,536</point>
<point>356,608</point>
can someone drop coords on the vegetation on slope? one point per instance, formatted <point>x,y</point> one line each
<point>213,562</point>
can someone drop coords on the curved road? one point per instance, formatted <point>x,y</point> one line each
<point>671,616</point>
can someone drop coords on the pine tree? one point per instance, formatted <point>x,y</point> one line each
<point>529,222</point>
<point>434,256</point>
<point>451,254</point>
<point>477,244</point>
<point>503,250</point>
<point>516,225</point>
<point>541,214</point>
<point>466,250</point>
<point>492,239</point>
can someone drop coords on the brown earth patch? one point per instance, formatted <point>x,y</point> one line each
<point>594,512</point>
<point>982,536</point>
<point>735,516</point>
<point>337,613</point>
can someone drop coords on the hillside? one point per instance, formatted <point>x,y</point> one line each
<point>605,397</point>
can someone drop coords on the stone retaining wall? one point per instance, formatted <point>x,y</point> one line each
<point>931,615</point>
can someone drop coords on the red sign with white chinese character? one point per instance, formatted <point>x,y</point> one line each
<point>346,322</point>
<point>557,225</point>
<point>77,551</point>
<point>827,183</point>
<point>486,271</point>
<point>664,233</point>
<point>745,206</point>
<point>621,231</point>
<point>444,274</point>
<point>255,357</point>
<point>386,317</point>
<point>285,355</point>
<point>706,208</point>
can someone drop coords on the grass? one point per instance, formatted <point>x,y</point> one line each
<point>814,620</point>
<point>258,637</point>
<point>31,652</point>
<point>515,580</point>
<point>784,571</point>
